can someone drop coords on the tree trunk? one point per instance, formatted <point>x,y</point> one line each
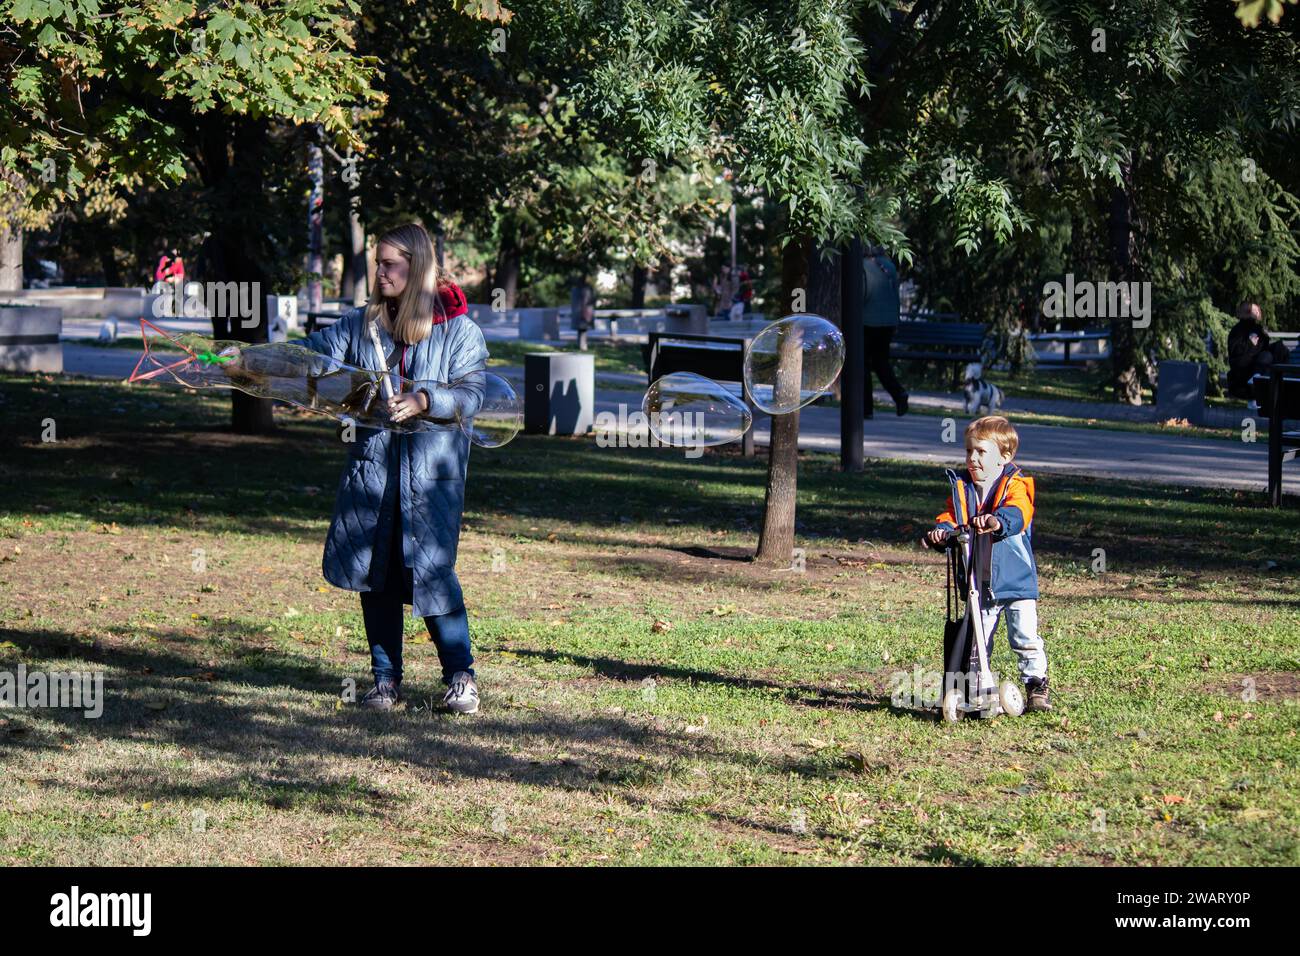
<point>11,230</point>
<point>823,296</point>
<point>776,540</point>
<point>359,291</point>
<point>639,276</point>
<point>108,262</point>
<point>1123,353</point>
<point>315,226</point>
<point>507,271</point>
<point>11,257</point>
<point>232,154</point>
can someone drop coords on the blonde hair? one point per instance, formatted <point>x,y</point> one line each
<point>419,299</point>
<point>997,428</point>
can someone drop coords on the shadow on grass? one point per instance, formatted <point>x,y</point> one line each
<point>266,743</point>
<point>805,695</point>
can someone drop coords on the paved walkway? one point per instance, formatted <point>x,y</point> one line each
<point>1169,460</point>
<point>1136,456</point>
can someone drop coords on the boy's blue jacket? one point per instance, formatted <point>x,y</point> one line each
<point>430,465</point>
<point>1014,574</point>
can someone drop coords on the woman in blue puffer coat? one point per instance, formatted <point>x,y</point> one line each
<point>397,516</point>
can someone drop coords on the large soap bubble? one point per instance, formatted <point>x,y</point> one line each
<point>793,362</point>
<point>686,410</point>
<point>287,372</point>
<point>499,418</point>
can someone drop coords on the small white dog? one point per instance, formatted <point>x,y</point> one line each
<point>979,393</point>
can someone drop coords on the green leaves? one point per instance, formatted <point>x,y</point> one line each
<point>1250,12</point>
<point>87,68</point>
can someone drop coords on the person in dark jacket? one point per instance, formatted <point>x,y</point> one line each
<point>1250,352</point>
<point>880,309</point>
<point>397,514</point>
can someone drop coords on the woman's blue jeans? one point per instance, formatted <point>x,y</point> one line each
<point>384,614</point>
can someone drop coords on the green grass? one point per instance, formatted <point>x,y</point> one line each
<point>608,357</point>
<point>1082,384</point>
<point>649,696</point>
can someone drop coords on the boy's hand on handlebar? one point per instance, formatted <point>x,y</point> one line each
<point>986,523</point>
<point>938,537</point>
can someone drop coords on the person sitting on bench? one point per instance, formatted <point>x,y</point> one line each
<point>1250,352</point>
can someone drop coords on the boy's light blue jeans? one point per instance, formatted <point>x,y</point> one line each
<point>1022,631</point>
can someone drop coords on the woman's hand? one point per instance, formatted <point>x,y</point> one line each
<point>407,405</point>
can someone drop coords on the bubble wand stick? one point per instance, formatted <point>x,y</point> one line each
<point>384,381</point>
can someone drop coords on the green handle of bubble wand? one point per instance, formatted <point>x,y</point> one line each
<point>209,357</point>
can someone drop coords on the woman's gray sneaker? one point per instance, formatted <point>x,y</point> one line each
<point>462,694</point>
<point>383,696</point>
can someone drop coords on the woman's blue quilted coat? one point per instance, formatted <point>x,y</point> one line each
<point>431,464</point>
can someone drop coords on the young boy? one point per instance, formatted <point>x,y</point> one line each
<point>1000,501</point>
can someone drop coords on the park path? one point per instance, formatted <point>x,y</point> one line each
<point>1137,456</point>
<point>1167,460</point>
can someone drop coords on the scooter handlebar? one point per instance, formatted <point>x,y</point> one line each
<point>954,537</point>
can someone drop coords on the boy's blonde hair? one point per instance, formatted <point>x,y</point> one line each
<point>997,428</point>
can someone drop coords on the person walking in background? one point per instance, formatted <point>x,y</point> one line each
<point>170,266</point>
<point>178,271</point>
<point>743,295</point>
<point>169,282</point>
<point>722,292</point>
<point>582,308</point>
<point>164,268</point>
<point>879,320</point>
<point>1250,352</point>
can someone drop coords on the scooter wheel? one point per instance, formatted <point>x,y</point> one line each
<point>1011,698</point>
<point>952,706</point>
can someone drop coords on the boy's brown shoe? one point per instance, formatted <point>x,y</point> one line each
<point>1036,695</point>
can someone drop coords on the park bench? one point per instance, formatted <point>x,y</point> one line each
<point>1279,393</point>
<point>720,357</point>
<point>1068,339</point>
<point>932,341</point>
<point>319,320</point>
<point>671,318</point>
